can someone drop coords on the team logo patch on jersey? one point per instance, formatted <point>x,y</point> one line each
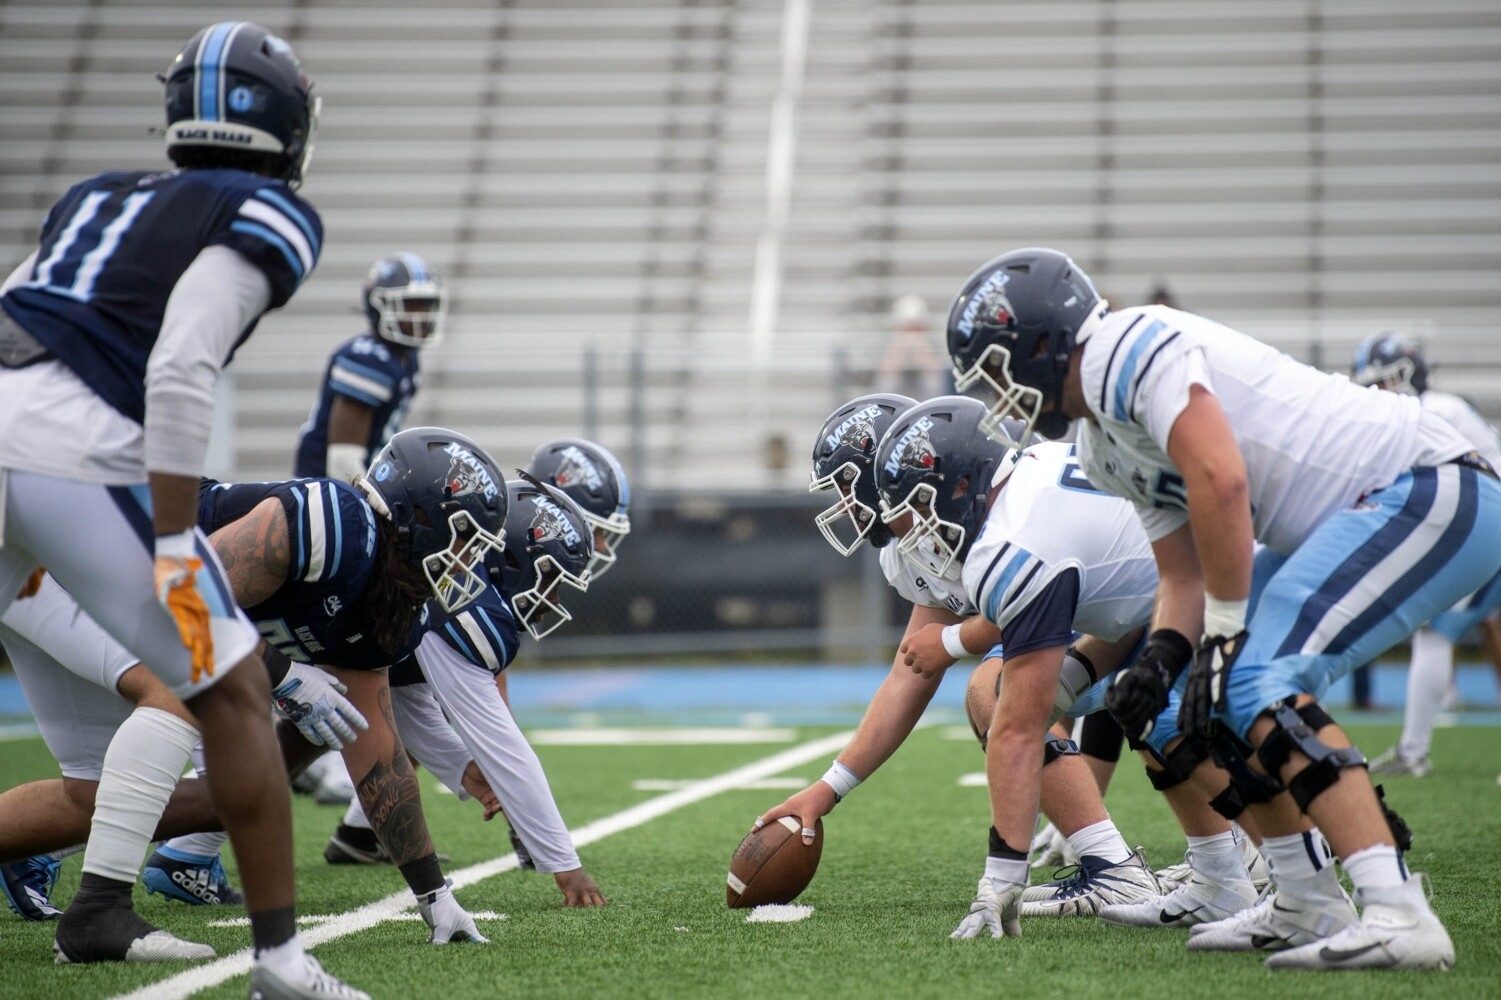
<point>551,522</point>
<point>858,430</point>
<point>988,304</point>
<point>332,605</point>
<point>466,475</point>
<point>575,469</point>
<point>914,450</point>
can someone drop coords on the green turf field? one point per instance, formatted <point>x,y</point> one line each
<point>898,873</point>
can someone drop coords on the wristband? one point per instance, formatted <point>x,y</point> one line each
<point>841,779</point>
<point>182,545</point>
<point>952,643</point>
<point>1224,617</point>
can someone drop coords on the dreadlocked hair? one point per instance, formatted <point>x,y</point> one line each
<point>396,591</point>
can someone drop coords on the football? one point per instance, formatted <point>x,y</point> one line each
<point>772,865</point>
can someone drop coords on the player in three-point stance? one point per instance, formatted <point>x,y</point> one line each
<point>1374,515</point>
<point>141,288</point>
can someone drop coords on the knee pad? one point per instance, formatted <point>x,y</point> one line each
<point>1246,787</point>
<point>1297,729</point>
<point>1179,763</point>
<point>1054,747</point>
<point>1102,737</point>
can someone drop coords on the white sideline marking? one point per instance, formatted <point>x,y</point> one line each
<point>18,731</point>
<point>656,737</point>
<point>673,784</point>
<point>202,977</point>
<point>975,779</point>
<point>322,918</point>
<point>778,913</point>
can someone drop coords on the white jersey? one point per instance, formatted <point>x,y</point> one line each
<point>946,592</point>
<point>1056,555</point>
<point>1464,418</point>
<point>1313,443</point>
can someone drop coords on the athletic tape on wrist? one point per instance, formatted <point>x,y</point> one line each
<point>1225,618</point>
<point>841,779</point>
<point>952,643</point>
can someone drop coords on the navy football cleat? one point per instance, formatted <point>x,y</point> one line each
<point>28,886</point>
<point>192,878</point>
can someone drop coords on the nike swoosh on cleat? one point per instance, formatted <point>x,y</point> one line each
<point>1331,955</point>
<point>1173,918</point>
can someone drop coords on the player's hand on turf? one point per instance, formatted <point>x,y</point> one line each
<point>446,918</point>
<point>996,910</point>
<point>807,806</point>
<point>475,784</point>
<point>314,702</point>
<point>1140,692</point>
<point>923,651</point>
<point>175,579</point>
<point>1208,679</point>
<point>578,888</point>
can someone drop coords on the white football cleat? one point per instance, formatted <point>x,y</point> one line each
<point>1397,930</point>
<point>1196,901</point>
<point>157,946</point>
<point>1097,883</point>
<point>1394,762</point>
<point>1278,921</point>
<point>1173,876</point>
<point>314,984</point>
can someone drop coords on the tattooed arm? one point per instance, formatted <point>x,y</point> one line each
<point>382,773</point>
<point>256,552</point>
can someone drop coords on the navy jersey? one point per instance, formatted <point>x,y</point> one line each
<point>483,631</point>
<point>114,247</point>
<point>318,615</point>
<point>372,373</point>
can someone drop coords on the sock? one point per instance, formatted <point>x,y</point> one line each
<point>1100,840</point>
<point>355,816</point>
<point>1297,857</point>
<point>141,767</point>
<point>1218,858</point>
<point>285,959</point>
<point>1007,870</point>
<point>204,845</point>
<point>1378,867</point>
<point>1427,684</point>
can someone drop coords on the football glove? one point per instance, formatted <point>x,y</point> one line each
<point>176,586</point>
<point>314,702</point>
<point>446,918</point>
<point>996,909</point>
<point>1140,692</point>
<point>1208,681</point>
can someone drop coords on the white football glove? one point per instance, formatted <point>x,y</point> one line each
<point>997,909</point>
<point>1050,849</point>
<point>447,919</point>
<point>314,701</point>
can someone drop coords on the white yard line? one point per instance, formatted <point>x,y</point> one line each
<point>658,737</point>
<point>202,977</point>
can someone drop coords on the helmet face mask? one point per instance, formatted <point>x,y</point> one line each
<point>1012,402</point>
<point>457,574</point>
<point>548,543</point>
<point>847,522</point>
<point>1390,361</point>
<point>405,303</point>
<point>931,544</point>
<point>609,532</point>
<point>540,608</point>
<point>843,461</point>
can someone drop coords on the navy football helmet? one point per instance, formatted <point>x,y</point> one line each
<point>936,465</point>
<point>1013,328</point>
<point>448,502</point>
<point>405,301</point>
<point>593,479</point>
<point>236,86</point>
<point>547,544</point>
<point>844,461</point>
<point>1392,361</point>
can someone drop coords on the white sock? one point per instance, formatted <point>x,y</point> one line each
<point>285,959</point>
<point>1427,683</point>
<point>1218,858</point>
<point>204,844</point>
<point>1296,856</point>
<point>1100,840</point>
<point>355,815</point>
<point>145,758</point>
<point>1378,867</point>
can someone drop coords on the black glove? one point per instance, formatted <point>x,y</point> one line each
<point>1140,692</point>
<point>1207,681</point>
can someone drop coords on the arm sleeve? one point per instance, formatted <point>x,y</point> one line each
<point>482,720</point>
<point>20,274</point>
<point>425,732</point>
<point>215,300</point>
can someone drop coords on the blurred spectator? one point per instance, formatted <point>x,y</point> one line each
<point>914,363</point>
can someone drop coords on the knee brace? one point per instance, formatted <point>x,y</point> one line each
<point>1297,729</point>
<point>1179,763</point>
<point>1101,737</point>
<point>1246,786</point>
<point>1054,747</point>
